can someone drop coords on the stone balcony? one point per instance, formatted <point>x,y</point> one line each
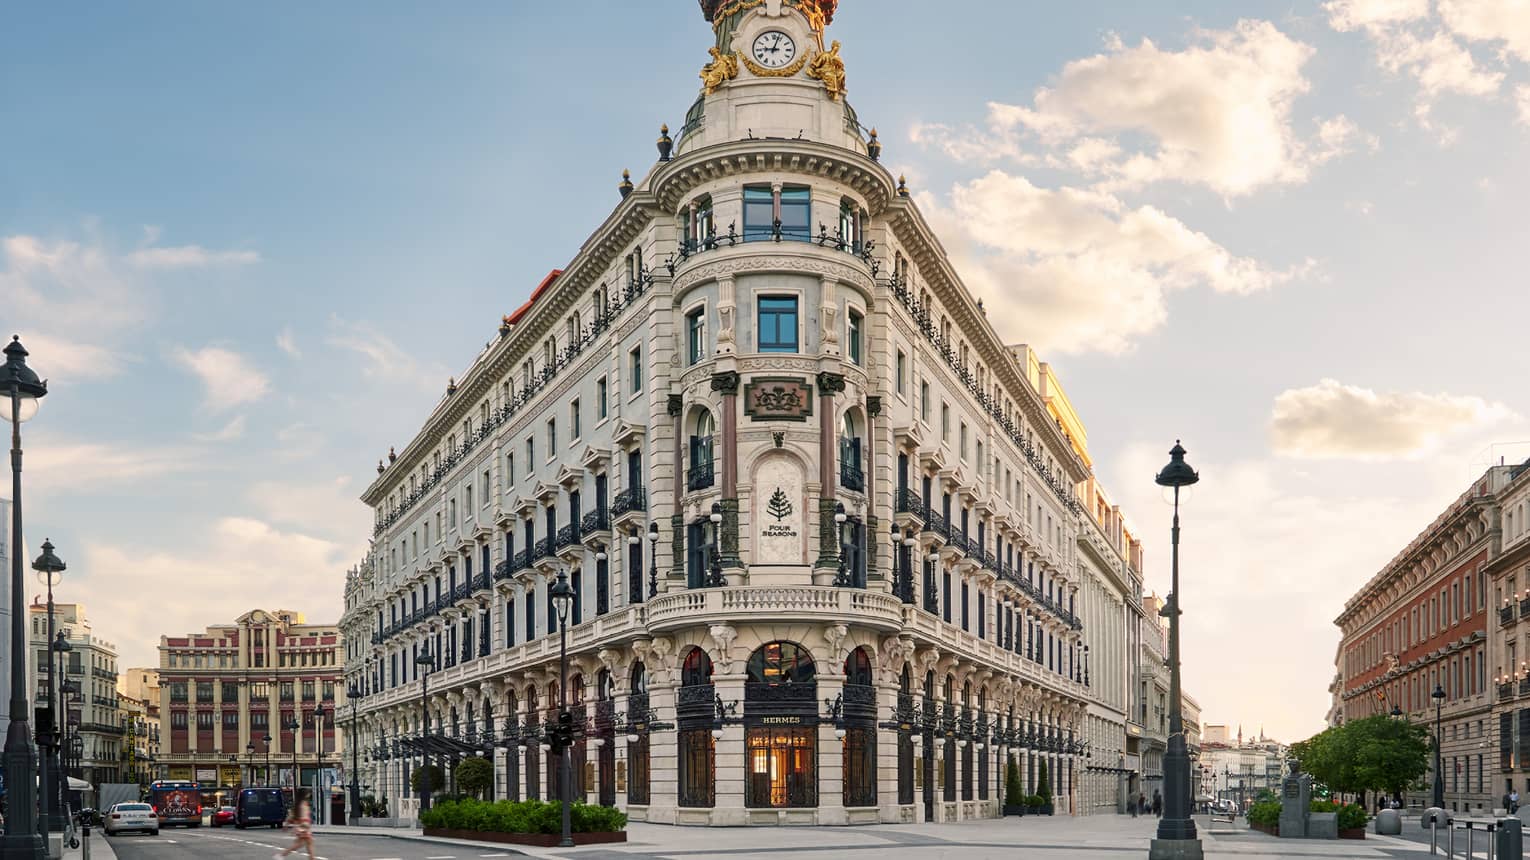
<point>793,602</point>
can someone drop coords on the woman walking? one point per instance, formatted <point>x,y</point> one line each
<point>300,822</point>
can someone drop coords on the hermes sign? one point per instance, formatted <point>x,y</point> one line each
<point>781,398</point>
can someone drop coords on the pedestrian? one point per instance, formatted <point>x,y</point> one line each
<point>1131,806</point>
<point>1514,801</point>
<point>300,822</point>
<point>1142,803</point>
<point>1157,804</point>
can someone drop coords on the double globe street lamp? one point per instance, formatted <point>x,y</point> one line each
<point>22,839</point>
<point>562,738</point>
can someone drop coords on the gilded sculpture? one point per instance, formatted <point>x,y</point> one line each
<point>826,66</point>
<point>724,67</point>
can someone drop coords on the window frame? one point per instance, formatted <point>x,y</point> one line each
<point>776,346</point>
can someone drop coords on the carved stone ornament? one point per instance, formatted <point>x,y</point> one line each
<point>874,405</point>
<point>779,437</point>
<point>722,637</point>
<point>778,398</point>
<point>831,383</point>
<point>725,382</point>
<point>753,263</point>
<point>675,406</point>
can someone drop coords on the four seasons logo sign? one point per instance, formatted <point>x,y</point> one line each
<point>780,506</point>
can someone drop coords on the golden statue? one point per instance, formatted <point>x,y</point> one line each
<point>724,67</point>
<point>826,66</point>
<point>817,18</point>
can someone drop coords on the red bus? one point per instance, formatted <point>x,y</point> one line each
<point>176,802</point>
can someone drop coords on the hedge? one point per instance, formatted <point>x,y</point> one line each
<point>524,816</point>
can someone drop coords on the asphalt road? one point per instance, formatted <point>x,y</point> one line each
<point>226,843</point>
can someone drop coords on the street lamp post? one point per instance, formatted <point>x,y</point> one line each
<point>562,596</point>
<point>266,739</point>
<point>249,759</point>
<point>653,559</point>
<point>1439,777</point>
<point>320,799</point>
<point>295,727</point>
<point>424,661</point>
<point>58,651</point>
<point>50,738</point>
<point>714,577</point>
<point>354,695</point>
<point>1176,830</point>
<point>22,840</point>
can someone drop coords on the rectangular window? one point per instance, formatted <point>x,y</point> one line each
<point>945,423</point>
<point>796,220</point>
<point>531,454</point>
<point>853,337</point>
<point>924,401</point>
<point>696,336</point>
<point>962,439</point>
<point>601,397</point>
<point>552,437</point>
<point>901,369</point>
<point>777,330</point>
<point>573,420</point>
<point>635,366</point>
<point>759,213</point>
<point>509,470</point>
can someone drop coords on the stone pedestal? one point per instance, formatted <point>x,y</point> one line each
<point>1322,825</point>
<point>1175,849</point>
<point>1295,806</point>
<point>1388,822</point>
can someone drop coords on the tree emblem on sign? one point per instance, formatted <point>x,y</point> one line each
<point>780,506</point>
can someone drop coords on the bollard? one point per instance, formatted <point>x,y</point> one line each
<point>85,846</point>
<point>1434,835</point>
<point>1469,840</point>
<point>1510,839</point>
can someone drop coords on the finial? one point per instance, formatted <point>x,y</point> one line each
<point>451,385</point>
<point>665,144</point>
<point>504,325</point>
<point>874,146</point>
<point>902,186</point>
<point>380,467</point>
<point>981,310</point>
<point>626,187</point>
<point>391,456</point>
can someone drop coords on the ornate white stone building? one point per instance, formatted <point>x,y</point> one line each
<point>829,535</point>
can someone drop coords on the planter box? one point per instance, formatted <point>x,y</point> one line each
<point>538,840</point>
<point>1046,809</point>
<point>1014,810</point>
<point>1352,833</point>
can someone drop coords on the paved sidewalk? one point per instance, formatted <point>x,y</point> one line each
<point>1043,838</point>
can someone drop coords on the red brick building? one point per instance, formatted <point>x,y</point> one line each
<point>1422,623</point>
<point>224,690</point>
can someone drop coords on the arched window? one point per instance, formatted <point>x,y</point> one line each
<point>859,747</point>
<point>697,750</point>
<point>781,736</point>
<point>697,669</point>
<point>781,663</point>
<point>637,750</point>
<point>700,475</point>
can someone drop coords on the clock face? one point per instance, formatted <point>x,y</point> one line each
<point>774,49</point>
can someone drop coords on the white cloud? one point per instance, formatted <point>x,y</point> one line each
<point>64,466</point>
<point>1334,420</point>
<point>330,507</point>
<point>382,359</point>
<point>287,343</point>
<point>189,257</point>
<point>238,564</point>
<point>1506,21</point>
<point>57,359</point>
<point>229,379</point>
<point>1345,15</point>
<point>1217,113</point>
<point>232,430</point>
<point>1077,270</point>
<point>1522,103</point>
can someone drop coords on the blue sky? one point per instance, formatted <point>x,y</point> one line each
<point>249,244</point>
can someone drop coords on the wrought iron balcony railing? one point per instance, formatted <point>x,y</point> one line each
<point>699,476</point>
<point>630,500</point>
<point>568,535</point>
<point>596,521</point>
<point>909,502</point>
<point>852,478</point>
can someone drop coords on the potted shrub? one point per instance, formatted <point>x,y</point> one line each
<point>1014,799</point>
<point>1043,790</point>
<point>1264,816</point>
<point>526,822</point>
<point>474,776</point>
<point>1352,819</point>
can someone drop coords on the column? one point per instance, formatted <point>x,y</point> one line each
<point>831,760</point>
<point>728,807</point>
<point>829,384</point>
<point>725,382</point>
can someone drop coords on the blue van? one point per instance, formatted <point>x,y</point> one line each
<point>257,806</point>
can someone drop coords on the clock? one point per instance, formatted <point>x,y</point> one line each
<point>773,49</point>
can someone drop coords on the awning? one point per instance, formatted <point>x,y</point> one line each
<point>79,785</point>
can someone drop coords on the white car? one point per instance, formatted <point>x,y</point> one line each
<point>125,817</point>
